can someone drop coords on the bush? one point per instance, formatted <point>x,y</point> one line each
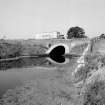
<point>93,92</point>
<point>93,77</point>
<point>94,63</point>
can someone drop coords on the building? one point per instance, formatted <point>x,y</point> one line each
<point>48,35</point>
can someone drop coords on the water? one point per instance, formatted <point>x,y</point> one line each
<point>14,74</point>
<point>22,62</point>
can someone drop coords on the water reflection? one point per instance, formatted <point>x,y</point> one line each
<point>23,62</point>
<point>10,79</point>
<point>32,61</point>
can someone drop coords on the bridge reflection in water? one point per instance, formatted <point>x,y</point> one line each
<point>57,54</point>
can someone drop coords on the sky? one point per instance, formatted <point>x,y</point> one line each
<point>25,18</point>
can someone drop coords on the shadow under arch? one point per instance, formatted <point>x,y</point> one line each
<point>56,53</point>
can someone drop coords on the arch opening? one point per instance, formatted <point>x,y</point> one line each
<point>57,54</point>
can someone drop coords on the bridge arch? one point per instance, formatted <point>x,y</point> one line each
<point>56,53</point>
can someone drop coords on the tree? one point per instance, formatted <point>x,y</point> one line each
<point>76,32</point>
<point>102,36</point>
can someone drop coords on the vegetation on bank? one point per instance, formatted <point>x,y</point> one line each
<point>12,50</point>
<point>91,79</point>
<point>94,62</point>
<point>93,91</point>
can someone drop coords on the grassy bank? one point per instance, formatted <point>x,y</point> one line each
<point>16,49</point>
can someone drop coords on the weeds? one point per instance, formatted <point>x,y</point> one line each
<point>93,92</point>
<point>94,63</point>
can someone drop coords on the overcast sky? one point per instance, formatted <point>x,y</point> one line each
<point>25,18</point>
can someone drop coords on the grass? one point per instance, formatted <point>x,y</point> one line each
<point>94,61</point>
<point>93,91</point>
